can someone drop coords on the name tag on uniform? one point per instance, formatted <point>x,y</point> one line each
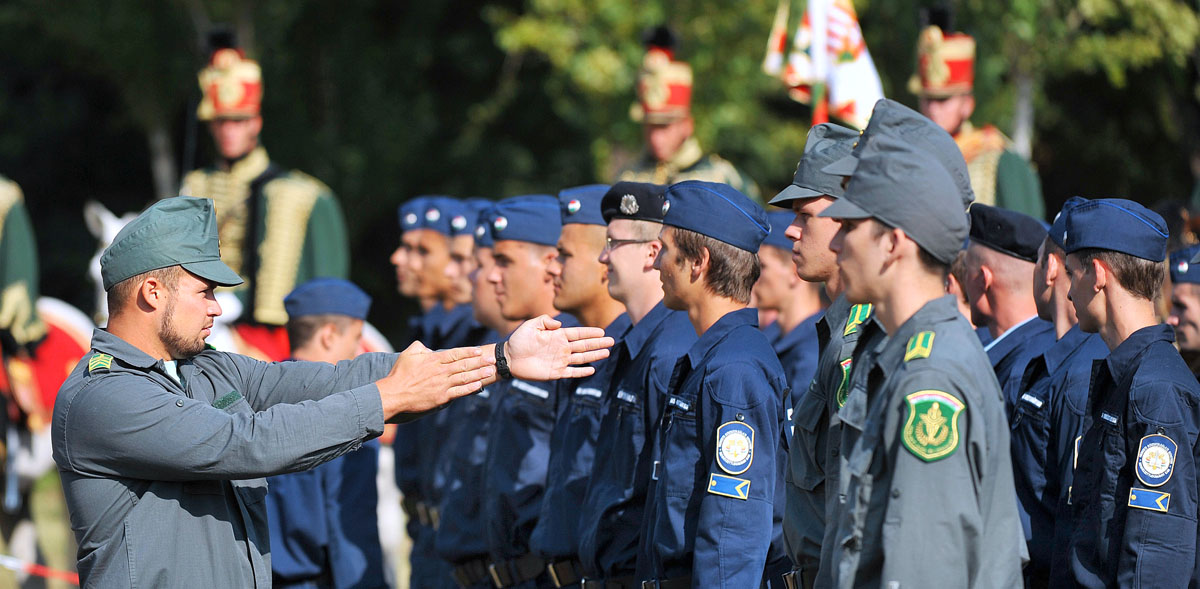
<point>1109,418</point>
<point>680,403</point>
<point>532,390</point>
<point>1032,400</point>
<point>589,392</point>
<point>627,397</point>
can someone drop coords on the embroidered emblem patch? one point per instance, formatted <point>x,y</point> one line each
<point>459,222</point>
<point>1147,499</point>
<point>1182,266</point>
<point>629,204</point>
<point>843,390</point>
<point>1156,460</point>
<point>858,314</point>
<point>432,215</point>
<point>410,219</point>
<point>573,206</point>
<point>919,346</point>
<point>735,447</point>
<point>500,223</point>
<point>99,361</point>
<point>719,484</point>
<point>931,430</point>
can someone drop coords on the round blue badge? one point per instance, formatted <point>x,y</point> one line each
<point>1156,460</point>
<point>735,447</point>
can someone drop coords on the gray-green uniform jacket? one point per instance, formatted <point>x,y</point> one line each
<point>927,481</point>
<point>164,482</point>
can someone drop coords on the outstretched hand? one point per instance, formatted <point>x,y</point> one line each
<point>422,380</point>
<point>541,349</point>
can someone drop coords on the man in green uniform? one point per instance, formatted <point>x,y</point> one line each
<point>279,227</point>
<point>664,108</point>
<point>944,82</point>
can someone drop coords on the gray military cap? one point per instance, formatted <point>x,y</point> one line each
<point>826,144</point>
<point>904,187</point>
<point>174,231</point>
<point>909,126</point>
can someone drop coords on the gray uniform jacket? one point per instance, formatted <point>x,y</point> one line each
<point>164,483</point>
<point>927,484</point>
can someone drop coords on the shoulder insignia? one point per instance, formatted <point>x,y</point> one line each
<point>1155,460</point>
<point>843,390</point>
<point>719,484</point>
<point>735,447</point>
<point>931,430</point>
<point>919,346</point>
<point>858,314</point>
<point>1147,499</point>
<point>99,361</point>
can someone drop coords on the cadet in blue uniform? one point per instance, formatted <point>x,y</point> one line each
<point>712,518</point>
<point>580,289</point>
<point>926,480</point>
<point>1185,304</point>
<point>1133,499</point>
<point>1050,405</point>
<point>810,455</point>
<point>324,529</point>
<point>798,305</point>
<point>611,513</point>
<point>458,537</point>
<point>999,286</point>
<point>526,230</point>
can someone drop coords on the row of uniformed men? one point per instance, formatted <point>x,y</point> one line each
<point>666,466</point>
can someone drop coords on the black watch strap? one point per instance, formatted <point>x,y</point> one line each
<point>501,362</point>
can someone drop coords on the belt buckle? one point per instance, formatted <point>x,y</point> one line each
<point>495,574</point>
<point>790,581</point>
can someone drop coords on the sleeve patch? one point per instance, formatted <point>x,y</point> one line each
<point>919,346</point>
<point>227,400</point>
<point>1147,499</point>
<point>719,484</point>
<point>931,430</point>
<point>99,361</point>
<point>1156,460</point>
<point>735,447</point>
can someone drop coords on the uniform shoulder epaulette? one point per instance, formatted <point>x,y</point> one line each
<point>858,314</point>
<point>919,346</point>
<point>99,361</point>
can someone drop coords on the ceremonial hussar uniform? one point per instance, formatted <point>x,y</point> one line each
<point>279,227</point>
<point>664,91</point>
<point>1000,177</point>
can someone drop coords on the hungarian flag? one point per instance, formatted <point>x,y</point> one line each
<point>828,65</point>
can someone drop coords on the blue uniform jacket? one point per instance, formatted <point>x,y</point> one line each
<point>1134,494</point>
<point>611,516</point>
<point>572,450</point>
<point>1044,426</point>
<point>798,352</point>
<point>719,454</point>
<point>518,453</point>
<point>1013,350</point>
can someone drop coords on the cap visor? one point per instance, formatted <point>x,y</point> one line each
<point>842,167</point>
<point>844,209</point>
<point>215,271</point>
<point>793,192</point>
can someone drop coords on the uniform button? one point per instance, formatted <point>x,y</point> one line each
<point>740,417</point>
<point>895,493</point>
<point>179,403</point>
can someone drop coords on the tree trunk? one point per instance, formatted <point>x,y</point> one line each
<point>1023,115</point>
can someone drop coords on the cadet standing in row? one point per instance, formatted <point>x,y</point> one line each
<point>611,514</point>
<point>1185,304</point>
<point>712,517</point>
<point>1133,499</point>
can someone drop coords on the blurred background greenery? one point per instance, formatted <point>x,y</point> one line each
<point>384,100</point>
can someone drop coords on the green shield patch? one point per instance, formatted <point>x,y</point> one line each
<point>843,390</point>
<point>931,430</point>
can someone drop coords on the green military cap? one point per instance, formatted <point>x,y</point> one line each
<point>174,231</point>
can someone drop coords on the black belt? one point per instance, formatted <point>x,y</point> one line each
<point>676,583</point>
<point>626,582</point>
<point>506,573</point>
<point>471,573</point>
<point>567,572</point>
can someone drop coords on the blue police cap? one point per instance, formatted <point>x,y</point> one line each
<point>1181,266</point>
<point>640,201</point>
<point>434,212</point>
<point>410,213</point>
<point>483,227</point>
<point>827,143</point>
<point>1011,233</point>
<point>581,205</point>
<point>1118,225</point>
<point>327,296</point>
<point>718,211</point>
<point>1058,229</point>
<point>532,218</point>
<point>779,223</point>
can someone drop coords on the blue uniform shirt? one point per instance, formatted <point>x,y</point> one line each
<point>1134,494</point>
<point>712,512</point>
<point>518,453</point>
<point>611,515</point>
<point>1045,422</point>
<point>1010,352</point>
<point>798,352</point>
<point>572,450</point>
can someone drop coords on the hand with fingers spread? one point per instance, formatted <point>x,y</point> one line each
<point>421,379</point>
<point>540,349</point>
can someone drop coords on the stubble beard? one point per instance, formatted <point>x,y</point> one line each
<point>178,345</point>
